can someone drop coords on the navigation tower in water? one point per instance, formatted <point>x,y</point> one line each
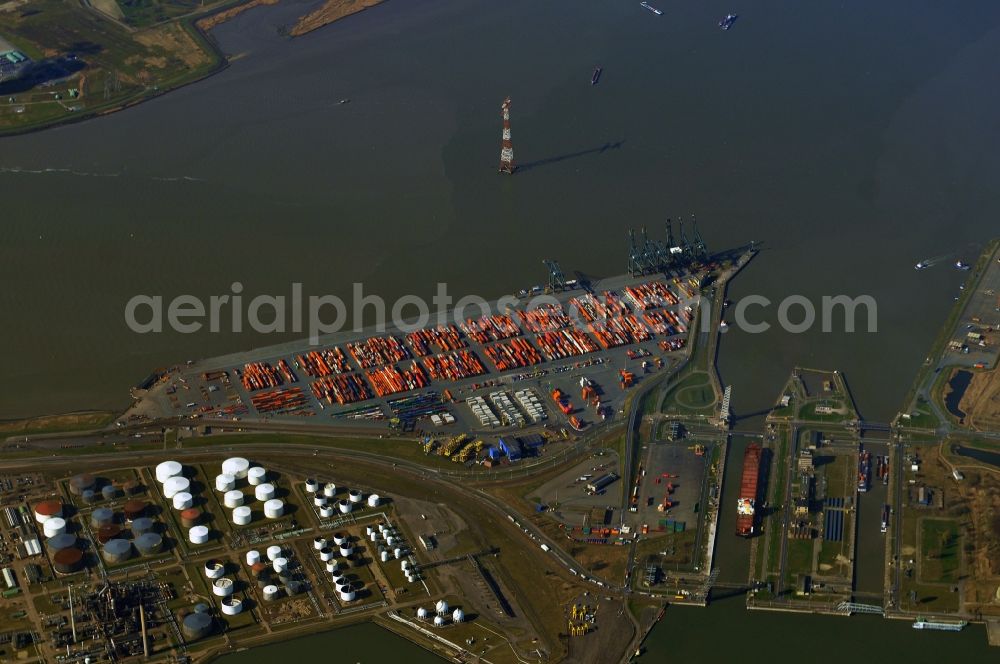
<point>506,147</point>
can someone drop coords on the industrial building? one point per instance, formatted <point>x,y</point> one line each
<point>601,483</point>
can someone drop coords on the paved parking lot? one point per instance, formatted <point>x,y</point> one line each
<point>686,472</point>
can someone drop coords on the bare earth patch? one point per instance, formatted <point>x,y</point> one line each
<point>981,401</point>
<point>214,20</point>
<point>174,39</point>
<point>330,11</point>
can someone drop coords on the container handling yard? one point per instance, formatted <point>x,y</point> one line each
<point>566,362</point>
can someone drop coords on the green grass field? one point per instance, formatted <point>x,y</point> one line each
<point>940,551</point>
<point>692,395</point>
<point>56,424</point>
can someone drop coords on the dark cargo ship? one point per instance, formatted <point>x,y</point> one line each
<point>746,510</point>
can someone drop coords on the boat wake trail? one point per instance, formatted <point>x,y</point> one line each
<point>92,174</point>
<point>931,262</point>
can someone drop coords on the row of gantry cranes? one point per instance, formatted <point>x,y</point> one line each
<point>650,256</point>
<point>647,255</point>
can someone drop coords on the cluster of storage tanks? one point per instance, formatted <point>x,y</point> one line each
<point>67,557</point>
<point>234,471</point>
<point>327,552</point>
<point>270,570</point>
<point>326,503</point>
<point>115,548</point>
<point>389,545</point>
<point>85,486</point>
<point>177,489</point>
<point>223,587</point>
<point>441,614</point>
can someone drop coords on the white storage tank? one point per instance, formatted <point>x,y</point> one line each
<point>355,496</point>
<point>458,616</point>
<point>374,500</point>
<point>242,515</point>
<point>326,512</point>
<point>312,486</point>
<point>369,530</point>
<point>332,566</point>
<point>403,564</point>
<point>339,538</point>
<point>326,554</point>
<point>422,613</point>
<point>280,564</point>
<point>175,485</point>
<point>330,490</point>
<point>225,482</point>
<point>264,492</point>
<point>273,552</point>
<point>231,606</point>
<point>438,621</point>
<point>274,508</point>
<point>233,499</point>
<point>319,543</point>
<point>347,595</point>
<point>183,500</point>
<point>346,549</point>
<point>256,475</point>
<point>214,569</point>
<point>338,579</point>
<point>236,466</point>
<point>54,526</point>
<point>166,470</point>
<point>320,501</point>
<point>345,507</point>
<point>374,536</point>
<point>223,587</point>
<point>270,593</point>
<point>441,607</point>
<point>253,557</point>
<point>397,553</point>
<point>198,535</point>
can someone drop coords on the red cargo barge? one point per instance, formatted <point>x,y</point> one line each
<point>746,516</point>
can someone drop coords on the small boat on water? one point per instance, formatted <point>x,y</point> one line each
<point>963,266</point>
<point>650,8</point>
<point>921,266</point>
<point>597,75</point>
<point>727,22</point>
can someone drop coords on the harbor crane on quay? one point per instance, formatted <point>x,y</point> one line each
<point>557,280</point>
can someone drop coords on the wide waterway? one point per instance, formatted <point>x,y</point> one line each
<point>853,139</point>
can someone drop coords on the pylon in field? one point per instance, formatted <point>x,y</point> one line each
<point>506,147</point>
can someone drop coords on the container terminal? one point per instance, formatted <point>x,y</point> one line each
<point>569,362</point>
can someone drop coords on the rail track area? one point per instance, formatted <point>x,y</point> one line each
<point>610,334</point>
